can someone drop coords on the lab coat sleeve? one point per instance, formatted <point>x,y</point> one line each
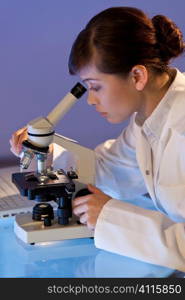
<point>142,234</point>
<point>117,171</point>
<point>126,229</point>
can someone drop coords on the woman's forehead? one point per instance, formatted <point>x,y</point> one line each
<point>89,71</point>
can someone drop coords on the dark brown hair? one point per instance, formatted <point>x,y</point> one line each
<point>118,38</point>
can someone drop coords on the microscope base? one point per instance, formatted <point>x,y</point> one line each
<point>30,231</point>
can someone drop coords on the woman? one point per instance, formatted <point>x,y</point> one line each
<point>124,57</point>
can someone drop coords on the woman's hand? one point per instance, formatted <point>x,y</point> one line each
<point>16,140</point>
<point>88,207</point>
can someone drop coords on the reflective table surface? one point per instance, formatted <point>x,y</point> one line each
<point>70,258</point>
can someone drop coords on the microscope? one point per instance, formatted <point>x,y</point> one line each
<point>45,184</point>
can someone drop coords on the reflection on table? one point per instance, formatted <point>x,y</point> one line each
<point>69,258</point>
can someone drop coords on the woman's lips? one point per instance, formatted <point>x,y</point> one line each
<point>103,114</point>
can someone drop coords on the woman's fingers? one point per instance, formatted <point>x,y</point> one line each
<point>80,209</point>
<point>16,140</point>
<point>83,218</point>
<point>80,200</point>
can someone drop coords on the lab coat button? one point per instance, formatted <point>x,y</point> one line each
<point>147,172</point>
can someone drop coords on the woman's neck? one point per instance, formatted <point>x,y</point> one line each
<point>154,92</point>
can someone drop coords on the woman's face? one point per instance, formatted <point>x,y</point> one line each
<point>114,97</point>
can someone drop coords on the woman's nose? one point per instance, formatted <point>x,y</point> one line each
<point>91,99</point>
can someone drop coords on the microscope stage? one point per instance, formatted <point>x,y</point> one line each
<point>31,231</point>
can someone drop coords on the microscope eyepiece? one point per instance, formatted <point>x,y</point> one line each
<point>78,90</point>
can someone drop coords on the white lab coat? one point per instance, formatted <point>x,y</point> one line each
<point>144,159</point>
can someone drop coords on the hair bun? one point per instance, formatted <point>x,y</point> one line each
<point>169,38</point>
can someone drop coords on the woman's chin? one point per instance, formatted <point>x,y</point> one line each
<point>114,120</point>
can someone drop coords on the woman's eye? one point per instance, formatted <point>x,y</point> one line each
<point>95,88</point>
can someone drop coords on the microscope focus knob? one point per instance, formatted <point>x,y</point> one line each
<point>43,212</point>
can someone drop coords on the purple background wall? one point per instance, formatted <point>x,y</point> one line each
<point>35,41</point>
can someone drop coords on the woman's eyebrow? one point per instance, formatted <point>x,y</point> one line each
<point>89,79</point>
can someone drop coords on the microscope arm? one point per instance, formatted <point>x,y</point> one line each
<point>84,158</point>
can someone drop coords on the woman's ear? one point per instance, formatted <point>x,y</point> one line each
<point>139,77</point>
